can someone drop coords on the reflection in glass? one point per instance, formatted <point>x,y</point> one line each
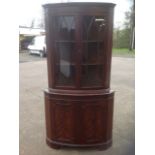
<point>65,75</point>
<point>93,27</point>
<point>65,53</point>
<point>65,64</point>
<point>65,27</point>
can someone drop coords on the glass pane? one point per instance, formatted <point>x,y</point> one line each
<point>65,47</point>
<point>93,35</point>
<point>92,75</point>
<point>65,75</point>
<point>65,53</point>
<point>65,27</point>
<point>93,53</point>
<point>93,27</point>
<point>65,66</point>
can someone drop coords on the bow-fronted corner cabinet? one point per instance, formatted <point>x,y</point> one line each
<point>78,101</point>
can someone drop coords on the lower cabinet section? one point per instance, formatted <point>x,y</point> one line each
<point>79,121</point>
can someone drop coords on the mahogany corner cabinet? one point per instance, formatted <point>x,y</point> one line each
<point>78,101</point>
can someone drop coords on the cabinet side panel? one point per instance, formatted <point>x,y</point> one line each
<point>108,55</point>
<point>49,117</point>
<point>49,28</point>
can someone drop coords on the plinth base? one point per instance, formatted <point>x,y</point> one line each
<point>79,119</point>
<point>59,145</point>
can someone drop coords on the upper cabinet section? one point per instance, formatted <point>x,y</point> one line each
<point>79,40</point>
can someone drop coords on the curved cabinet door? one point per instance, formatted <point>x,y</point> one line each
<point>60,120</point>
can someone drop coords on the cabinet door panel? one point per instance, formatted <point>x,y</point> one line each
<point>94,121</point>
<point>63,113</point>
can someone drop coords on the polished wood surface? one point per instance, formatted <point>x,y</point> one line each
<point>79,102</point>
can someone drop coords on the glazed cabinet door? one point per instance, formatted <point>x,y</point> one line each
<point>93,40</point>
<point>65,51</point>
<point>79,48</point>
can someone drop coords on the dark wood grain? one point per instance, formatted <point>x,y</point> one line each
<point>78,111</point>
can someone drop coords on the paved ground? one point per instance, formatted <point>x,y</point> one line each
<point>33,79</point>
<point>24,56</point>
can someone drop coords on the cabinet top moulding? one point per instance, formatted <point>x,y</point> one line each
<point>67,4</point>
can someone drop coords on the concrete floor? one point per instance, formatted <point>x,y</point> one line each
<point>33,79</point>
<point>24,56</point>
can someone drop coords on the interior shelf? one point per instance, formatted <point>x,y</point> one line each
<point>73,64</point>
<point>73,41</point>
<point>92,64</point>
<point>65,41</point>
<point>91,41</point>
<point>65,63</point>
